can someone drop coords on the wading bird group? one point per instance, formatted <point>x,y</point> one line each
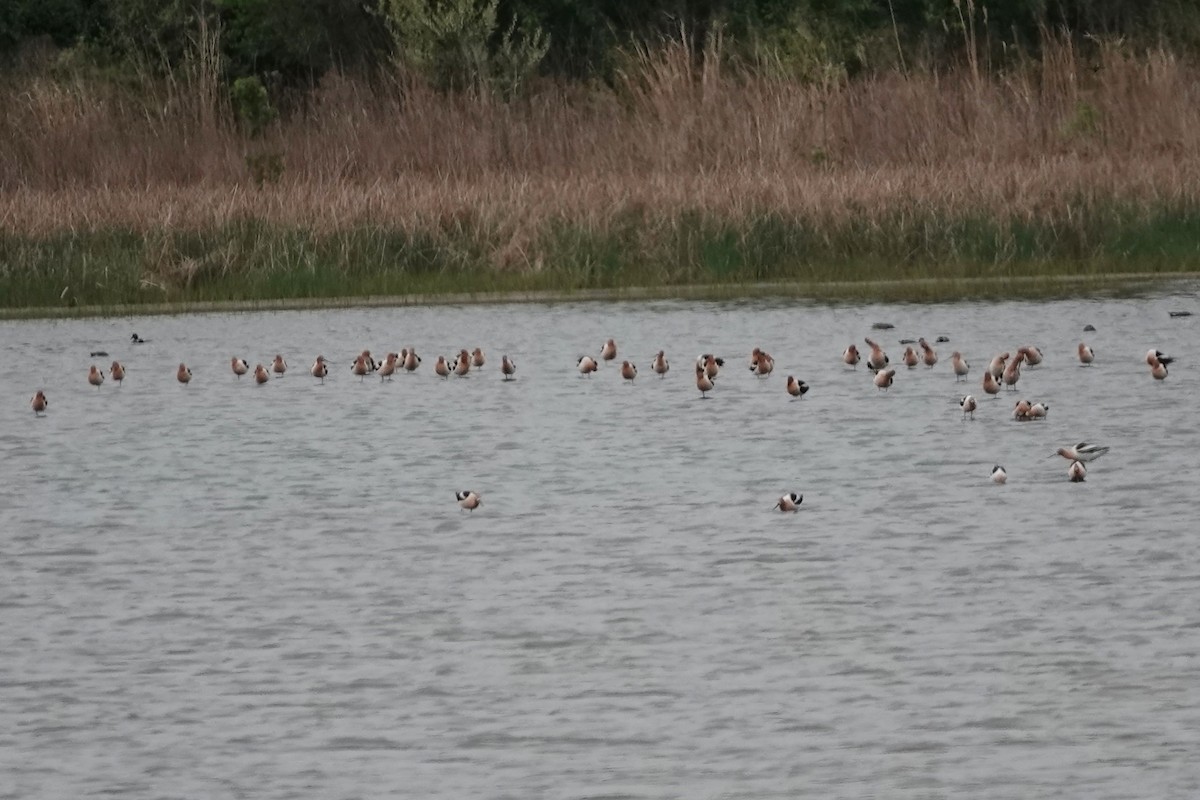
<point>1003,372</point>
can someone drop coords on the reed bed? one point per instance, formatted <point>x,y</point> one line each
<point>683,172</point>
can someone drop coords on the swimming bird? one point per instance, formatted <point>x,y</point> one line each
<point>468,500</point>
<point>1158,370</point>
<point>1039,410</point>
<point>789,502</point>
<point>996,367</point>
<point>99,354</point>
<point>95,376</point>
<point>239,366</point>
<point>1089,328</point>
<point>930,358</point>
<point>117,372</point>
<point>508,367</point>
<point>261,375</point>
<point>411,360</point>
<point>135,339</point>
<point>851,357</point>
<point>878,359</point>
<point>441,367</point>
<point>989,384</point>
<point>796,388</point>
<point>361,367</point>
<point>462,365</point>
<point>1086,355</point>
<point>183,374</point>
<point>319,368</point>
<point>477,359</point>
<point>609,351</point>
<point>628,370</point>
<point>884,378</point>
<point>1077,472</point>
<point>39,403</point>
<point>703,382</point>
<point>1081,452</point>
<point>910,358</point>
<point>1159,356</point>
<point>587,365</point>
<point>279,366</point>
<point>960,365</point>
<point>388,367</point>
<point>968,405</point>
<point>942,339</point>
<point>660,364</point>
<point>999,475</point>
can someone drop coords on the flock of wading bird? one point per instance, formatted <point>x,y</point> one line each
<point>1004,370</point>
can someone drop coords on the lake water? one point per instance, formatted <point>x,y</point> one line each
<point>227,590</point>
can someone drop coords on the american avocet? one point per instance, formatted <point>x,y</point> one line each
<point>1021,410</point>
<point>369,360</point>
<point>960,365</point>
<point>661,365</point>
<point>319,369</point>
<point>1158,370</point>
<point>1077,472</point>
<point>279,366</point>
<point>989,384</point>
<point>462,364</point>
<point>851,357</point>
<point>441,367</point>
<point>761,363</point>
<point>968,405</point>
<point>910,358</point>
<point>261,375</point>
<point>930,355</point>
<point>39,403</point>
<point>1012,371</point>
<point>1086,355</point>
<point>1081,452</point>
<point>1033,355</point>
<point>411,360</point>
<point>508,367</point>
<point>1159,356</point>
<point>361,368</point>
<point>703,382</point>
<point>1039,410</point>
<point>468,500</point>
<point>884,378</point>
<point>117,372</point>
<point>996,367</point>
<point>609,351</point>
<point>789,502</point>
<point>628,370</point>
<point>711,364</point>
<point>135,339</point>
<point>239,366</point>
<point>388,367</point>
<point>95,376</point>
<point>477,359</point>
<point>878,359</point>
<point>587,365</point>
<point>796,388</point>
<point>999,475</point>
<point>183,374</point>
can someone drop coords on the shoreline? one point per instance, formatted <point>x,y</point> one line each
<point>916,290</point>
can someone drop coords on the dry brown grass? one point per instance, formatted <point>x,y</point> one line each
<point>671,137</point>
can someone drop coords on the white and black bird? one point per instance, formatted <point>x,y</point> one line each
<point>999,475</point>
<point>789,502</point>
<point>467,499</point>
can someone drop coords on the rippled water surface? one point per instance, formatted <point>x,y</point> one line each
<point>227,590</point>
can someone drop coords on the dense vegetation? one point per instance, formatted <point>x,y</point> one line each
<point>246,149</point>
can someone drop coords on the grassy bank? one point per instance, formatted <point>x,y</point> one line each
<point>933,254</point>
<point>913,186</point>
